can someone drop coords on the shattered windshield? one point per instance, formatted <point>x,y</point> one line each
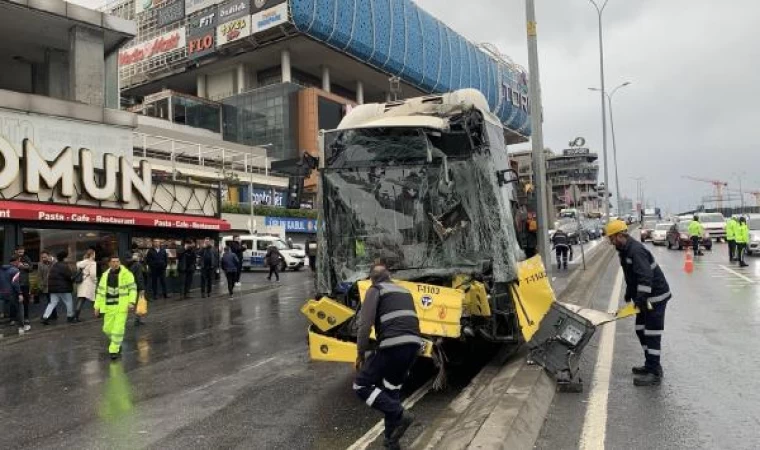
<point>394,194</point>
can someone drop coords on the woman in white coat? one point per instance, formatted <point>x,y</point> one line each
<point>86,289</point>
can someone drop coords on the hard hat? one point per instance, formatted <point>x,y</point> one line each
<point>615,227</point>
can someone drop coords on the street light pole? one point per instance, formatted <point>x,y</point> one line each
<point>599,11</point>
<point>537,136</point>
<point>614,145</point>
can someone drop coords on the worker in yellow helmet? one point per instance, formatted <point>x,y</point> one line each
<point>115,297</point>
<point>647,287</point>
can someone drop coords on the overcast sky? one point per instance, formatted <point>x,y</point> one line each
<point>692,107</point>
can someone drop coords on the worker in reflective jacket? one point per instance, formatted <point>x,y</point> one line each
<point>381,373</point>
<point>115,297</point>
<point>647,287</point>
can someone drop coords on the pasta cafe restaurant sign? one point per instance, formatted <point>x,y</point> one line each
<point>62,213</point>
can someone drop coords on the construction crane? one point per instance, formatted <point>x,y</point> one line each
<point>755,194</point>
<point>718,184</point>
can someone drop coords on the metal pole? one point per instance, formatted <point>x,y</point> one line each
<point>537,137</point>
<point>604,114</point>
<point>614,156</point>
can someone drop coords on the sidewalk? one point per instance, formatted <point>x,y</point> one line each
<point>156,308</point>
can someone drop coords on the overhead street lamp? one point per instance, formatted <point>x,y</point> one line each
<point>614,146</point>
<point>600,10</point>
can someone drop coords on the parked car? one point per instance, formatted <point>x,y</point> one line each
<point>646,230</point>
<point>754,234</point>
<point>256,249</point>
<point>715,223</point>
<point>660,233</point>
<point>678,237</point>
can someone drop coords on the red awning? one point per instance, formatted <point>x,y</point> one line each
<point>15,210</point>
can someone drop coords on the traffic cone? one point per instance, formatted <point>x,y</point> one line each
<point>688,264</point>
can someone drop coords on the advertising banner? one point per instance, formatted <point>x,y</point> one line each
<point>293,225</point>
<point>233,30</point>
<point>166,43</point>
<point>192,6</point>
<point>269,18</point>
<point>200,42</point>
<point>207,20</point>
<point>260,5</point>
<point>15,210</point>
<point>233,9</point>
<point>170,13</point>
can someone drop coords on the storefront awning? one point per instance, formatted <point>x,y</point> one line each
<point>46,212</point>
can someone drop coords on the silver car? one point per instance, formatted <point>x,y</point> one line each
<point>660,233</point>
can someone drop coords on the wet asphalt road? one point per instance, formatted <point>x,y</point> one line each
<point>709,395</point>
<point>201,374</point>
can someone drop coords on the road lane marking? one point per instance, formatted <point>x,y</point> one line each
<point>370,436</point>
<point>595,422</point>
<point>745,278</point>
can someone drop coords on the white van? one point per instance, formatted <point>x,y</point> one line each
<point>256,249</point>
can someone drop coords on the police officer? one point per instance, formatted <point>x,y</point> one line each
<point>647,287</point>
<point>696,231</point>
<point>561,243</point>
<point>731,225</point>
<point>381,373</point>
<point>742,240</point>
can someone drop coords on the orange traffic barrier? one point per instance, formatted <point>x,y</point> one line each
<point>688,264</point>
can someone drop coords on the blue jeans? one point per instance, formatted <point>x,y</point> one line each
<point>54,299</point>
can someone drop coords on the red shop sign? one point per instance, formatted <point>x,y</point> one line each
<point>77,214</point>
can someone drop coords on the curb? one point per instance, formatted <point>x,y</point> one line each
<point>506,404</point>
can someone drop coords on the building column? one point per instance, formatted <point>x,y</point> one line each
<point>112,81</point>
<point>359,93</point>
<point>325,78</point>
<point>241,81</point>
<point>285,63</point>
<point>87,70</point>
<point>57,74</point>
<point>387,97</point>
<point>201,86</point>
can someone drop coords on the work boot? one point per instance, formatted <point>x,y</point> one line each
<point>115,356</point>
<point>648,379</point>
<point>639,370</point>
<point>403,424</point>
<point>391,445</point>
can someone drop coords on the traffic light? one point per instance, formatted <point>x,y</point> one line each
<point>295,192</point>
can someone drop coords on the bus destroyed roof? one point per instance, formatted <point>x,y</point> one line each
<point>401,113</point>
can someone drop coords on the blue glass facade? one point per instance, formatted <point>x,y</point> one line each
<point>400,38</point>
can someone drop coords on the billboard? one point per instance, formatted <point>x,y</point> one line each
<point>200,42</point>
<point>233,30</point>
<point>260,5</point>
<point>160,45</point>
<point>205,21</point>
<point>269,18</point>
<point>233,9</point>
<point>292,225</point>
<point>170,13</point>
<point>192,6</point>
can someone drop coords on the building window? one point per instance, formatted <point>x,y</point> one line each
<point>75,242</point>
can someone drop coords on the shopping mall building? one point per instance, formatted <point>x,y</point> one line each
<point>274,72</point>
<point>76,172</point>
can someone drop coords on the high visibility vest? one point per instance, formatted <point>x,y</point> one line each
<point>121,296</point>
<point>742,233</point>
<point>731,229</point>
<point>695,229</point>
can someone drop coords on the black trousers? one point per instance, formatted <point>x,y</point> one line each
<point>561,251</point>
<point>207,278</point>
<point>731,249</point>
<point>17,308</point>
<point>232,278</point>
<point>741,249</point>
<point>695,244</point>
<point>380,379</point>
<point>239,269</point>
<point>187,282</point>
<point>650,324</point>
<point>274,270</point>
<point>157,277</point>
